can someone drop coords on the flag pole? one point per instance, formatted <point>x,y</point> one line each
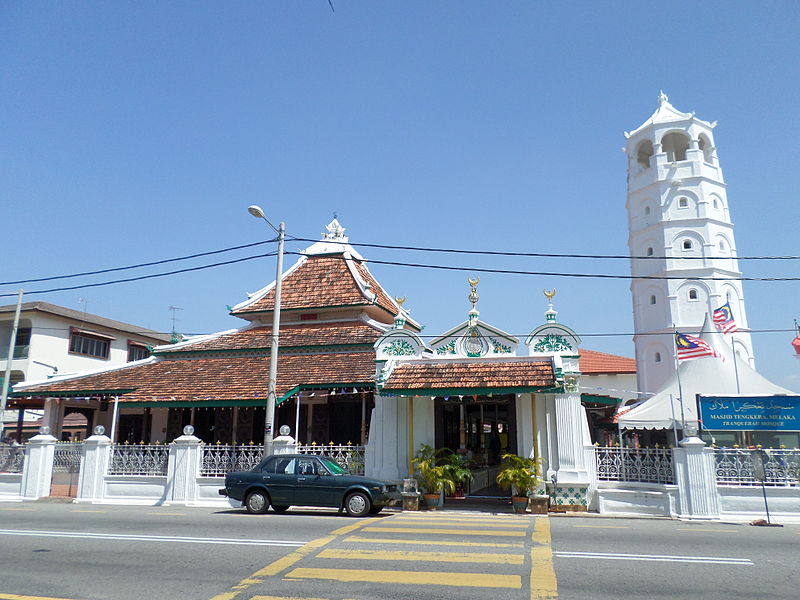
<point>678,371</point>
<point>735,366</point>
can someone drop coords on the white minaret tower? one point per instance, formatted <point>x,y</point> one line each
<point>678,215</point>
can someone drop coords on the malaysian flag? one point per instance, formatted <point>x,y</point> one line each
<point>723,318</point>
<point>691,347</point>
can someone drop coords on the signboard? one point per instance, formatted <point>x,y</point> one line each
<point>749,413</point>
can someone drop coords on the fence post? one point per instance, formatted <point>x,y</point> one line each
<point>183,468</point>
<point>284,444</point>
<point>96,451</point>
<point>37,473</point>
<point>695,476</point>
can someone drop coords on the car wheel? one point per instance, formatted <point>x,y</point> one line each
<point>280,508</point>
<point>256,502</point>
<point>357,504</point>
<point>375,510</point>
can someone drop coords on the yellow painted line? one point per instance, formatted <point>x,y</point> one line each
<point>704,530</point>
<point>432,530</point>
<point>282,598</point>
<point>16,597</point>
<point>370,540</point>
<point>603,526</point>
<point>280,565</point>
<point>461,523</point>
<point>543,576</point>
<point>412,577</point>
<point>416,555</point>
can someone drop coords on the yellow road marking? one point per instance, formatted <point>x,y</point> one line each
<point>412,577</point>
<point>282,598</point>
<point>16,597</point>
<point>369,540</point>
<point>432,530</point>
<point>543,576</point>
<point>461,523</point>
<point>280,565</point>
<point>705,530</point>
<point>416,555</point>
<point>604,526</point>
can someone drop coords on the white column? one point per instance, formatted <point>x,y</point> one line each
<point>284,444</point>
<point>570,431</point>
<point>384,446</point>
<point>695,474</point>
<point>96,452</point>
<point>38,469</point>
<point>183,470</point>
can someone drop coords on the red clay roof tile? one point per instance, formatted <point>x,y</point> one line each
<point>452,374</point>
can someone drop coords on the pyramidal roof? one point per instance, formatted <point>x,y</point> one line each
<point>329,274</point>
<point>666,113</point>
<point>707,376</point>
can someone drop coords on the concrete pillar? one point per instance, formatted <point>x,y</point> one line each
<point>96,453</point>
<point>571,487</point>
<point>284,444</point>
<point>384,447</point>
<point>37,473</point>
<point>695,474</point>
<point>183,469</point>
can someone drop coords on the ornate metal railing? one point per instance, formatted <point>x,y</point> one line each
<point>67,457</point>
<point>735,467</point>
<point>139,459</point>
<point>645,465</point>
<point>348,456</point>
<point>219,459</point>
<point>12,458</point>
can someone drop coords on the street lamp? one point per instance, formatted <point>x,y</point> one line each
<point>269,417</point>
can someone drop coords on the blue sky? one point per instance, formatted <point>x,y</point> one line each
<point>138,131</point>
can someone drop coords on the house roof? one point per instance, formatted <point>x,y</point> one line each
<point>224,378</point>
<point>291,335</point>
<point>84,317</point>
<point>448,375</point>
<point>600,363</point>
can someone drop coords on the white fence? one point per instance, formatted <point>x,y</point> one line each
<point>734,466</point>
<point>141,459</point>
<point>643,465</point>
<point>219,459</point>
<point>349,457</point>
<point>12,458</point>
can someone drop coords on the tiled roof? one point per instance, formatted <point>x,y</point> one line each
<point>300,334</point>
<point>593,362</point>
<point>452,374</point>
<point>224,378</point>
<point>320,281</point>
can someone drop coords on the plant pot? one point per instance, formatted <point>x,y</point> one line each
<point>520,503</point>
<point>539,504</point>
<point>431,501</point>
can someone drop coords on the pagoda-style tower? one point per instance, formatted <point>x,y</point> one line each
<point>679,227</point>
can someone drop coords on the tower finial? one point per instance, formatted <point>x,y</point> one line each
<point>662,97</point>
<point>550,314</point>
<point>400,317</point>
<point>473,298</point>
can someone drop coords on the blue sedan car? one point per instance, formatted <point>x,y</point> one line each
<point>285,480</point>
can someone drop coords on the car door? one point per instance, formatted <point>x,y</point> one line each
<point>316,485</point>
<point>278,477</point>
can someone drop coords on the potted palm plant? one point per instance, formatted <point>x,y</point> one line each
<point>521,475</point>
<point>458,469</point>
<point>433,478</point>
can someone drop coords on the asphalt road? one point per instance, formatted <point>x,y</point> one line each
<point>79,552</point>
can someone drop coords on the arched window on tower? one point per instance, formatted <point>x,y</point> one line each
<point>650,251</point>
<point>643,153</point>
<point>693,295</point>
<point>687,244</point>
<point>646,210</point>
<point>652,299</point>
<point>705,146</point>
<point>657,357</point>
<point>675,145</point>
<point>683,202</point>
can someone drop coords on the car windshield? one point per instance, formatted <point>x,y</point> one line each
<point>332,466</point>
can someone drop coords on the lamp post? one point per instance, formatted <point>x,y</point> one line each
<point>269,416</point>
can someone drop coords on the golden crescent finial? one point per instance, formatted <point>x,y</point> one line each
<point>400,300</point>
<point>474,282</point>
<point>550,294</point>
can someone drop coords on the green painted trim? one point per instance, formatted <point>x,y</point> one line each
<point>235,351</point>
<point>71,393</point>
<point>194,403</point>
<point>600,399</point>
<point>306,308</point>
<point>471,391</point>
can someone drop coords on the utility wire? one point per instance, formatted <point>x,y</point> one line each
<point>548,255</point>
<point>138,266</point>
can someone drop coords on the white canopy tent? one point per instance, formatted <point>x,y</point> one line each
<point>669,408</point>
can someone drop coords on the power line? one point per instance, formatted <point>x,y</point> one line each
<point>549,255</point>
<point>137,266</point>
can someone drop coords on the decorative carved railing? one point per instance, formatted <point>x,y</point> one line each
<point>348,456</point>
<point>644,465</point>
<point>67,457</point>
<point>141,459</point>
<point>12,458</point>
<point>219,459</point>
<point>734,466</point>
